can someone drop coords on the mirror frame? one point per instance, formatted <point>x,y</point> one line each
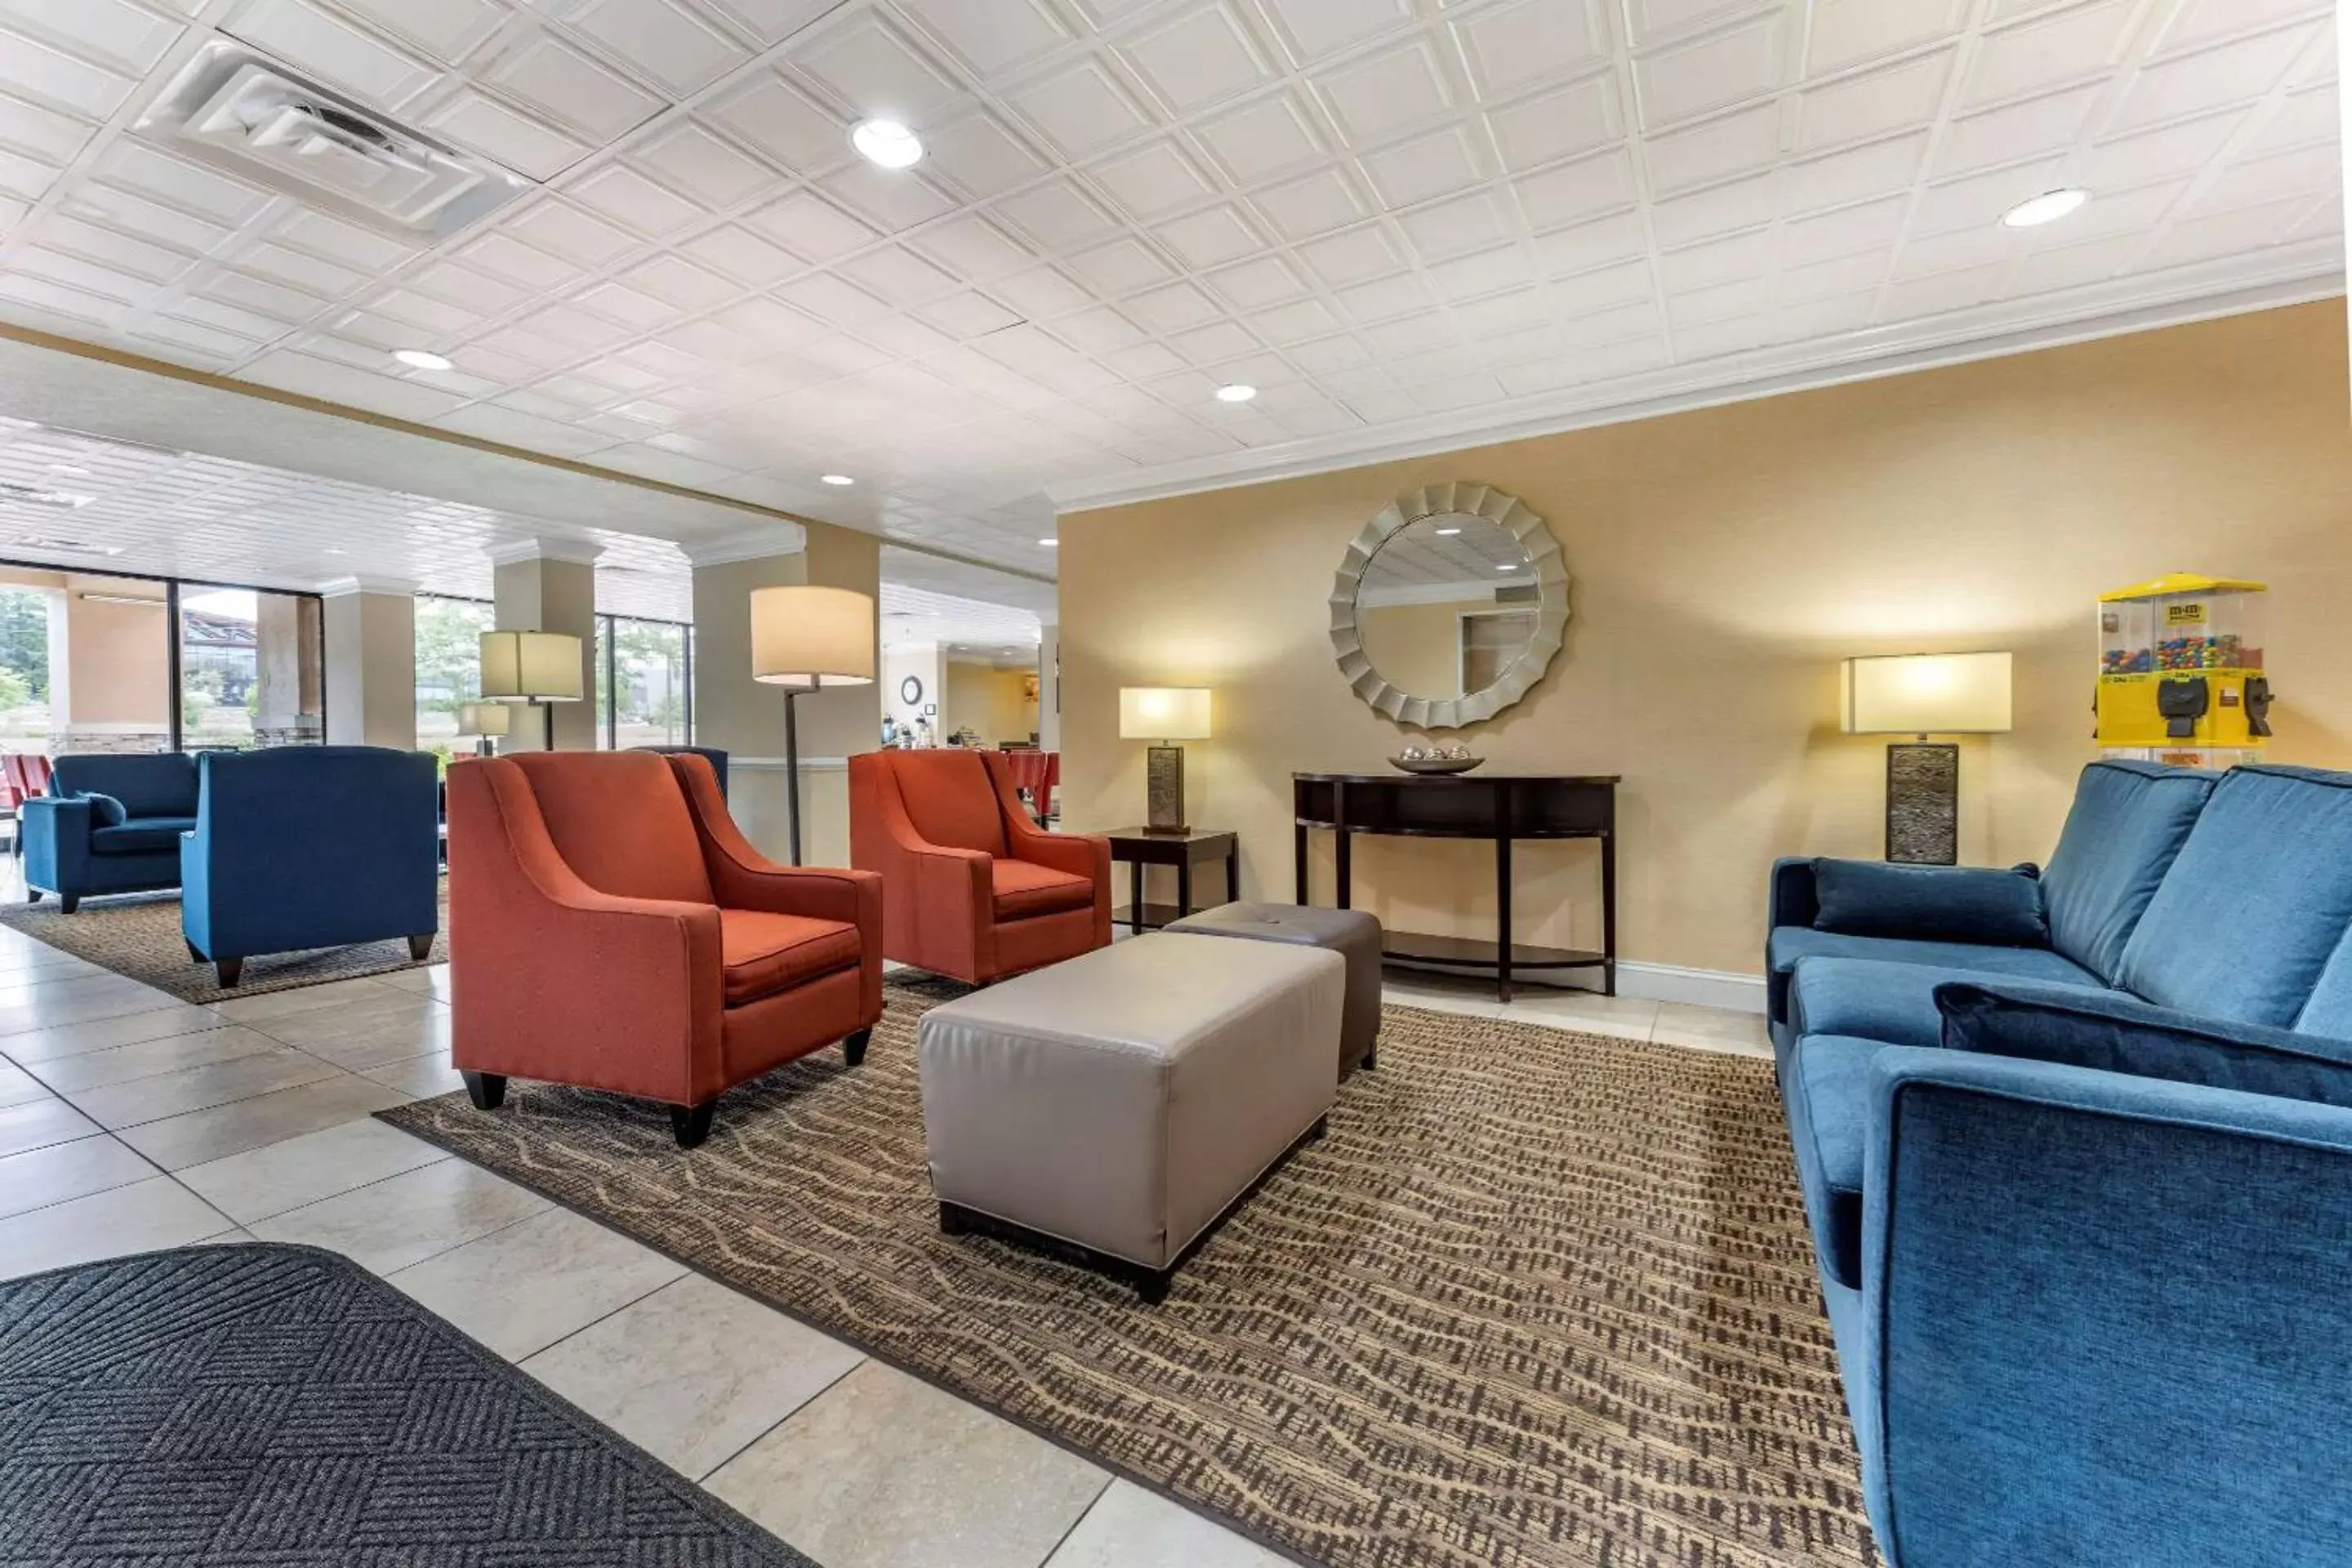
<point>1520,675</point>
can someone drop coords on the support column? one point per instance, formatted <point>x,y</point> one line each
<point>550,585</point>
<point>371,637</point>
<point>116,696</point>
<point>287,642</point>
<point>746,719</point>
<point>1049,687</point>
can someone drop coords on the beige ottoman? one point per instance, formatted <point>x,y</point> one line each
<point>1115,1106</point>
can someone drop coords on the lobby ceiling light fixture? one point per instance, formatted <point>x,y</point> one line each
<point>2047,208</point>
<point>1236,392</point>
<point>835,479</point>
<point>886,144</point>
<point>1051,543</point>
<point>422,359</point>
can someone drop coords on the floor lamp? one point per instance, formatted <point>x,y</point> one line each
<point>806,639</point>
<point>537,668</point>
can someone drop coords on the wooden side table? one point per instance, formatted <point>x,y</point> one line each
<point>1140,846</point>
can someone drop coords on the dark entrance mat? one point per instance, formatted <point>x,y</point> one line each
<point>1537,1298</point>
<point>231,1405</point>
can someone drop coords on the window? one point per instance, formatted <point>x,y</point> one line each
<point>645,678</point>
<point>252,668</point>
<point>25,614</point>
<point>449,667</point>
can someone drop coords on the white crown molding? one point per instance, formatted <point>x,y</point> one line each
<point>577,552</point>
<point>755,544</point>
<point>341,587</point>
<point>2286,275</point>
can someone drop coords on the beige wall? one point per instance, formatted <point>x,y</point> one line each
<point>1724,561</point>
<point>992,701</point>
<point>922,661</point>
<point>119,670</point>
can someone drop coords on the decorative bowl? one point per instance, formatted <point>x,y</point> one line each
<point>1436,764</point>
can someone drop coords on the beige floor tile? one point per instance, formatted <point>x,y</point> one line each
<point>37,1123</point>
<point>179,1142</point>
<point>151,1058</point>
<point>104,1000</point>
<point>1712,1029</point>
<point>39,1177</point>
<point>120,1105</point>
<point>520,1290</point>
<point>431,979</point>
<point>269,1004</point>
<point>307,1169</point>
<point>881,1471</point>
<point>694,1373</point>
<point>1132,1528</point>
<point>1439,993</point>
<point>422,1077</point>
<point>1625,1018</point>
<point>47,985</point>
<point>104,1034</point>
<point>367,1035</point>
<point>407,1218</point>
<point>138,1217</point>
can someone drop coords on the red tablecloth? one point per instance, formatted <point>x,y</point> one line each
<point>1039,772</point>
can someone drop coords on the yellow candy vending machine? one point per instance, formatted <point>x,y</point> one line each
<point>2181,671</point>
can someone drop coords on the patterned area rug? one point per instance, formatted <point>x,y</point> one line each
<point>1537,1299</point>
<point>232,1405</point>
<point>138,934</point>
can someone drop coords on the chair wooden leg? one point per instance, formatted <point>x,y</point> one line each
<point>488,1091</point>
<point>229,970</point>
<point>692,1123</point>
<point>852,1048</point>
<point>420,948</point>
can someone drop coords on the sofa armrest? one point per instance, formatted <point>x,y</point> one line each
<point>2118,1033</point>
<point>1790,898</point>
<point>2098,1309</point>
<point>57,831</point>
<point>743,879</point>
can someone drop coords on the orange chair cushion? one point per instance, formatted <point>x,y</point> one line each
<point>620,822</point>
<point>1023,888</point>
<point>950,799</point>
<point>763,954</point>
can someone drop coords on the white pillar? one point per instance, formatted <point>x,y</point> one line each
<point>550,585</point>
<point>371,636</point>
<point>1049,687</point>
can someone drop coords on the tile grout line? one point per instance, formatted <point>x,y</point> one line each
<point>703,1481</point>
<point>1093,1503</point>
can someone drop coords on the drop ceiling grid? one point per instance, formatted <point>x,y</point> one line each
<point>1382,214</point>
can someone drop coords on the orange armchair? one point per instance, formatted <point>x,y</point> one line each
<point>610,927</point>
<point>977,890</point>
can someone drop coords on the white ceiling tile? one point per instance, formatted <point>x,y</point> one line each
<point>981,155</point>
<point>1848,32</point>
<point>2304,117</point>
<point>1081,108</point>
<point>1565,252</point>
<point>1262,140</point>
<point>1349,258</point>
<point>1935,296</point>
<point>1120,266</point>
<point>972,247</point>
<point>1381,94</point>
<point>2017,131</point>
<point>781,120</point>
<point>1571,192</point>
<point>563,83</point>
<point>809,226</point>
<point>629,306</point>
<point>1874,227</point>
<point>2086,41</point>
<point>1482,272</point>
<point>890,199</point>
<point>1895,98</point>
<point>1689,79</point>
<point>360,63</point>
<point>1512,45</point>
<point>1312,205</point>
<point>1436,164</point>
<point>2137,212</point>
<point>1979,202</point>
<point>2197,21</point>
<point>2190,84</point>
<point>1837,276</point>
<point>561,229</point>
<point>1313,28</point>
<point>1713,262</point>
<point>1096,332</point>
<point>1173,309</point>
<point>1456,224</point>
<point>1574,119</point>
<point>1836,178</point>
<point>178,184</point>
<point>447,30</point>
<point>2156,155</point>
<point>666,43</point>
<point>300,271</point>
<point>1203,54</point>
<point>1960,247</point>
<point>873,69</point>
<point>44,134</point>
<point>619,193</point>
<point>1040,293</point>
<point>113,33</point>
<point>991,35</point>
<point>2312,173</point>
<point>1208,238</point>
<point>53,77</point>
<point>680,282</point>
<point>1738,143</point>
<point>1056,215</point>
<point>1217,341</point>
<point>741,255</point>
<point>1295,323</point>
<point>1718,210</point>
<point>705,166</point>
<point>523,143</point>
<point>831,299</point>
<point>1155,178</point>
<point>1258,282</point>
<point>2073,265</point>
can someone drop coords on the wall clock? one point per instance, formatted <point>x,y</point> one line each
<point>910,691</point>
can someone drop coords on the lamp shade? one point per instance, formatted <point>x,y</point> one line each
<point>491,719</point>
<point>1926,694</point>
<point>1164,712</point>
<point>810,636</point>
<point>531,666</point>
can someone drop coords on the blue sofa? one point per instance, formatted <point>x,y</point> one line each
<point>309,846</point>
<point>2082,1205</point>
<point>76,845</point>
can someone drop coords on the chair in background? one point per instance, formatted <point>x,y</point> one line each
<point>110,824</point>
<point>1034,772</point>
<point>297,848</point>
<point>977,890</point>
<point>24,776</point>
<point>711,754</point>
<point>610,927</point>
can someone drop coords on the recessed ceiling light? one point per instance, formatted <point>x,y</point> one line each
<point>887,143</point>
<point>2047,208</point>
<point>1050,544</point>
<point>835,479</point>
<point>421,359</point>
<point>1235,392</point>
<point>1508,566</point>
<point>1447,533</point>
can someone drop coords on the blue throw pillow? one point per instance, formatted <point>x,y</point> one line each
<point>109,811</point>
<point>1931,904</point>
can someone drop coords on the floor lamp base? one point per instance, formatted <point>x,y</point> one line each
<point>1923,802</point>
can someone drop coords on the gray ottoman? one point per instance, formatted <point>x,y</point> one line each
<point>1352,933</point>
<point>1115,1107</point>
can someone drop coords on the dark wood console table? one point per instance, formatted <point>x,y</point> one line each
<point>1499,807</point>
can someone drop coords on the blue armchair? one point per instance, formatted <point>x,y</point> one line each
<point>110,824</point>
<point>309,846</point>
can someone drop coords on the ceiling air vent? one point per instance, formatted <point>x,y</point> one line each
<point>245,113</point>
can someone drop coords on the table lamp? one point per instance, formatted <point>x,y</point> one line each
<point>806,639</point>
<point>1925,694</point>
<point>1166,714</point>
<point>483,723</point>
<point>535,668</point>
